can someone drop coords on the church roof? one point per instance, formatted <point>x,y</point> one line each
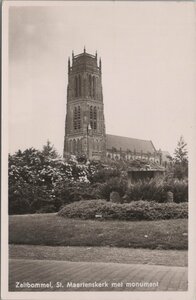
<point>126,143</point>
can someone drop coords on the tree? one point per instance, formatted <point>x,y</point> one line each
<point>32,176</point>
<point>181,159</point>
<point>181,153</point>
<point>36,179</point>
<point>49,151</point>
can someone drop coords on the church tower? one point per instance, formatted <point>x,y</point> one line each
<point>85,125</point>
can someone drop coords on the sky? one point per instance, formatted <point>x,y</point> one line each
<point>148,68</point>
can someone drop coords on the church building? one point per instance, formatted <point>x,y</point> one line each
<point>85,132</point>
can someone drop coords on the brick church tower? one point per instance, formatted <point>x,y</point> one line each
<point>85,125</point>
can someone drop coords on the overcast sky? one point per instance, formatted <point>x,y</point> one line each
<point>148,63</point>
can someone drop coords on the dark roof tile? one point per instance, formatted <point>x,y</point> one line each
<point>126,143</point>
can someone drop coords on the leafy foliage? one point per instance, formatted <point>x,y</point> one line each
<point>41,181</point>
<point>181,153</point>
<point>140,210</point>
<point>156,189</point>
<point>113,184</point>
<point>36,179</point>
<point>180,160</point>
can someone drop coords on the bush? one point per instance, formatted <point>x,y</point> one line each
<point>38,179</point>
<point>103,174</point>
<point>112,185</point>
<point>179,189</point>
<point>68,192</point>
<point>156,189</point>
<point>152,189</point>
<point>140,210</point>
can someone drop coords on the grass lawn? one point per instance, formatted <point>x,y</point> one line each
<point>101,254</point>
<point>53,230</point>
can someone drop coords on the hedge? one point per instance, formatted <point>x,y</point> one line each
<point>136,210</point>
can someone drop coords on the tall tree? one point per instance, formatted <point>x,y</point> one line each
<point>181,159</point>
<point>181,153</point>
<point>49,151</point>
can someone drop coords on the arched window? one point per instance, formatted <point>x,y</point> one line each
<point>95,117</point>
<point>71,146</point>
<point>90,85</point>
<point>79,86</point>
<point>75,113</point>
<point>78,112</point>
<point>79,146</point>
<point>96,84</point>
<point>75,117</point>
<point>94,87</point>
<point>95,113</point>
<point>84,87</point>
<point>79,118</point>
<point>91,117</point>
<point>91,112</point>
<point>74,146</point>
<point>67,146</point>
<point>76,86</point>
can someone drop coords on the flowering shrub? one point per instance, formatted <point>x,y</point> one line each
<point>41,181</point>
<point>36,179</point>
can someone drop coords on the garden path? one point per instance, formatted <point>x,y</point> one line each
<point>169,278</point>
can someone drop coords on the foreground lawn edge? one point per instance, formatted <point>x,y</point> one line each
<point>101,254</point>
